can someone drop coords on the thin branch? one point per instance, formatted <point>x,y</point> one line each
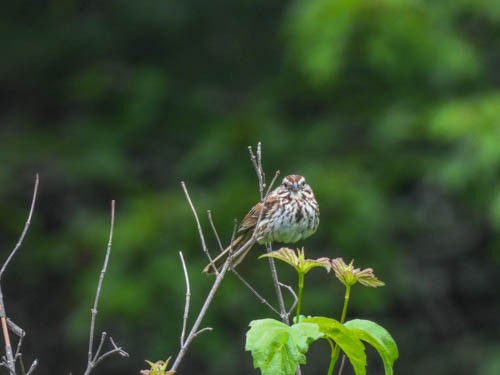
<point>25,230</point>
<point>188,298</point>
<point>99,283</point>
<point>279,295</point>
<point>33,366</point>
<point>295,298</point>
<point>195,329</point>
<point>19,357</point>
<point>257,163</point>
<point>10,360</point>
<point>198,225</point>
<point>94,359</point>
<point>212,224</point>
<point>99,347</point>
<point>206,329</point>
<point>276,175</point>
<point>19,332</point>
<point>116,349</point>
<point>259,297</point>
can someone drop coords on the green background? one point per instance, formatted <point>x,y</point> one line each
<point>390,108</point>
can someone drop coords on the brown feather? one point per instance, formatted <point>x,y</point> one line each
<point>289,213</point>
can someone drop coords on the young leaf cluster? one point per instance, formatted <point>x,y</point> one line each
<point>278,349</point>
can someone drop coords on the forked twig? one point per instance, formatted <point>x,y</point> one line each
<point>256,159</point>
<point>294,295</point>
<point>94,359</point>
<point>10,360</point>
<point>195,329</point>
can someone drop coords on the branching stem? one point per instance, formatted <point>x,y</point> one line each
<point>94,359</point>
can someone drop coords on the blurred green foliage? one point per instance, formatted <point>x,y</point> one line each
<point>390,108</point>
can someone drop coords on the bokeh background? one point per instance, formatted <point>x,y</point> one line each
<point>390,108</point>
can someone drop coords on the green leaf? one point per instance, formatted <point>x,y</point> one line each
<point>297,259</point>
<point>345,339</point>
<point>277,349</point>
<point>378,337</point>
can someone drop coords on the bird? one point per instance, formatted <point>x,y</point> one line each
<point>288,214</point>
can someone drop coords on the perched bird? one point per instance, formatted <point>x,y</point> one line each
<point>288,214</point>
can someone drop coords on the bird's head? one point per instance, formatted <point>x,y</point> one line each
<point>294,182</point>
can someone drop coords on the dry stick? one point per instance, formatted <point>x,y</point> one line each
<point>212,224</point>
<point>11,360</point>
<point>188,298</point>
<point>259,297</point>
<point>257,163</point>
<point>233,235</point>
<point>198,225</point>
<point>195,331</point>
<point>32,367</point>
<point>295,298</point>
<point>94,359</point>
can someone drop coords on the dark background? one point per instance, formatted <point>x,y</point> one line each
<point>390,108</point>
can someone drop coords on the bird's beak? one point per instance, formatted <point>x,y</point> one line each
<point>295,186</point>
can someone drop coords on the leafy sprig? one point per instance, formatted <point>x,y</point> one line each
<point>277,348</point>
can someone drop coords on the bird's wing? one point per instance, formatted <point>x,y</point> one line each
<point>250,220</point>
<point>259,211</point>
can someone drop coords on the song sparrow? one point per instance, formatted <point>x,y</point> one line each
<point>288,214</point>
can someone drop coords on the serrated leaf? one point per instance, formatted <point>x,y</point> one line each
<point>378,337</point>
<point>350,344</point>
<point>277,349</point>
<point>297,259</point>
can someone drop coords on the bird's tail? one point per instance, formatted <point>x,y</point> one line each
<point>235,246</point>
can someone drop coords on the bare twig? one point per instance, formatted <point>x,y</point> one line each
<point>238,275</point>
<point>188,298</point>
<point>32,367</point>
<point>256,159</point>
<point>116,349</point>
<point>19,332</point>
<point>198,225</point>
<point>195,331</point>
<point>279,295</point>
<point>276,175</point>
<point>214,229</point>
<point>94,359</point>
<point>10,360</point>
<point>295,298</point>
<point>252,289</point>
<point>25,230</point>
